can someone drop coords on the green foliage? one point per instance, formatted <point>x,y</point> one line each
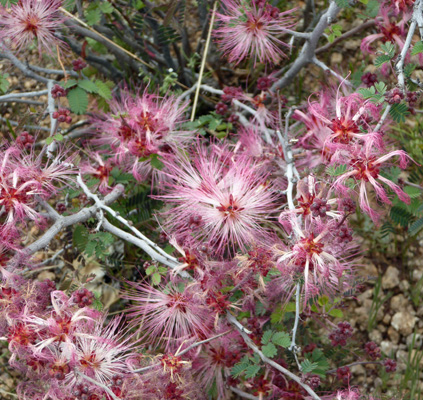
<point>269,350</point>
<point>398,112</point>
<point>318,362</point>
<point>8,3</point>
<point>92,244</point>
<point>372,93</point>
<point>210,123</point>
<point>58,137</point>
<point>417,48</point>
<point>333,32</point>
<point>308,366</point>
<point>342,3</point>
<point>78,100</point>
<point>156,272</point>
<point>248,365</point>
<point>372,9</point>
<point>336,171</point>
<point>388,52</point>
<point>4,83</point>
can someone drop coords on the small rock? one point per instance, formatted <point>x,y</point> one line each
<point>399,302</point>
<point>352,44</point>
<point>368,270</point>
<point>393,335</point>
<point>388,347</point>
<point>390,278</point>
<point>386,319</point>
<point>404,285</point>
<point>375,336</point>
<point>336,58</point>
<point>417,275</point>
<point>403,322</point>
<point>364,296</point>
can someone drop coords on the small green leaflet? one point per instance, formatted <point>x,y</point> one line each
<point>342,3</point>
<point>58,137</point>
<point>281,339</point>
<point>308,366</point>
<point>4,83</point>
<point>88,86</point>
<point>269,350</point>
<point>417,48</point>
<point>333,32</point>
<point>383,59</point>
<point>398,112</point>
<point>78,100</point>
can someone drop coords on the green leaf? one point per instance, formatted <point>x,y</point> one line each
<point>342,3</point>
<point>416,227</point>
<point>4,83</point>
<point>7,3</point>
<point>266,337</point>
<point>400,216</point>
<point>383,59</point>
<point>308,366</point>
<point>93,16</point>
<point>80,237</point>
<point>398,112</point>
<point>150,270</point>
<point>381,87</point>
<point>281,339</point>
<point>269,350</point>
<point>78,100</point>
<point>412,191</point>
<point>70,83</point>
<point>156,278</point>
<point>90,248</point>
<point>336,313</point>
<point>417,48</point>
<point>251,371</point>
<point>49,140</point>
<point>105,7</point>
<point>156,163</point>
<point>323,300</point>
<point>336,171</point>
<point>103,90</point>
<point>388,48</point>
<point>372,9</point>
<point>277,315</point>
<point>88,86</point>
<point>240,367</point>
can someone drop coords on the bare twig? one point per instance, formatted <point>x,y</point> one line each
<point>203,62</point>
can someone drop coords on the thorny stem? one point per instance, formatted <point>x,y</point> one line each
<point>267,360</point>
<point>203,62</point>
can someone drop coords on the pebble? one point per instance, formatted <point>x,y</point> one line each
<point>390,278</point>
<point>404,322</point>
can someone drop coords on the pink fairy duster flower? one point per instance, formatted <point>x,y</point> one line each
<point>32,19</point>
<point>389,30</point>
<point>311,202</point>
<point>250,30</point>
<point>140,126</point>
<point>343,122</point>
<point>101,354</point>
<point>317,256</point>
<point>230,198</point>
<point>167,314</point>
<point>213,365</point>
<point>100,170</point>
<point>364,167</point>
